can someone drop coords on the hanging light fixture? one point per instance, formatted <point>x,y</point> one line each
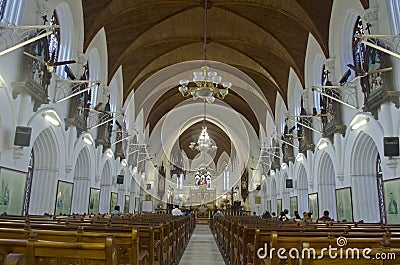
<point>206,84</point>
<point>204,143</point>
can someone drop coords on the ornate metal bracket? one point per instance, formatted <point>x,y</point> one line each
<point>65,91</point>
<point>346,95</point>
<point>307,121</point>
<point>390,41</point>
<point>15,37</point>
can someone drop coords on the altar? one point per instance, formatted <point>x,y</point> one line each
<point>202,195</point>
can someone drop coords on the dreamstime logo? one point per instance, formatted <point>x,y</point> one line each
<point>341,241</point>
<point>330,252</point>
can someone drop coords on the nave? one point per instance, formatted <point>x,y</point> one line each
<point>202,248</point>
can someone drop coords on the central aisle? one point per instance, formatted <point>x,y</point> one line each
<point>202,248</point>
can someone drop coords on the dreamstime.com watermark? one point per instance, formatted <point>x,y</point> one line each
<point>330,252</point>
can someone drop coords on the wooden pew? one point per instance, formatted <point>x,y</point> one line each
<point>50,252</point>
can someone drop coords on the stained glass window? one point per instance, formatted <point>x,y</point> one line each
<point>54,39</point>
<point>2,8</point>
<point>358,48</point>
<point>226,177</point>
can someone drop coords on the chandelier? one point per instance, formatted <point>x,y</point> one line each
<point>204,143</point>
<point>206,84</point>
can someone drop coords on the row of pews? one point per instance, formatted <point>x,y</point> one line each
<point>251,240</point>
<point>144,239</point>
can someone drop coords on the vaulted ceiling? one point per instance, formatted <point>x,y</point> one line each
<point>262,38</point>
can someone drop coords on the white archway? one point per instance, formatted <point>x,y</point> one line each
<point>45,174</point>
<point>105,188</point>
<point>80,200</point>
<point>326,185</point>
<point>363,179</point>
<point>302,189</point>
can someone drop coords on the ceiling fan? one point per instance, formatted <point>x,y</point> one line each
<point>361,73</point>
<point>49,65</point>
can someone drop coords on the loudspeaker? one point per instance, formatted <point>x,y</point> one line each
<point>148,186</point>
<point>258,187</point>
<point>289,183</point>
<point>120,179</point>
<point>391,146</point>
<point>22,136</point>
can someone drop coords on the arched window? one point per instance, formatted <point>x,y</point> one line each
<point>2,8</point>
<point>394,11</point>
<point>54,39</point>
<point>226,177</point>
<point>179,181</point>
<point>358,48</point>
<point>28,184</point>
<point>10,11</point>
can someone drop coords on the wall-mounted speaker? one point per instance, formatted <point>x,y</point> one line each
<point>289,183</point>
<point>148,186</point>
<point>258,187</point>
<point>391,146</point>
<point>22,136</point>
<point>120,179</point>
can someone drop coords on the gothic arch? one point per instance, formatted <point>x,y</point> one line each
<point>363,179</point>
<point>45,175</point>
<point>67,39</point>
<point>302,189</point>
<point>82,182</point>
<point>285,193</point>
<point>326,185</point>
<point>105,186</point>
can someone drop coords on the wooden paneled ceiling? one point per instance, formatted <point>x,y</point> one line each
<point>145,36</point>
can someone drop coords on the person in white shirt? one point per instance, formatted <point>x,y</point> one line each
<point>176,211</point>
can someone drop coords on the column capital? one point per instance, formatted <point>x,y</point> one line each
<point>330,63</point>
<point>371,15</point>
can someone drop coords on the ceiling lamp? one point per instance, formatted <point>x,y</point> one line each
<point>87,139</point>
<point>204,143</point>
<point>52,117</point>
<point>206,84</point>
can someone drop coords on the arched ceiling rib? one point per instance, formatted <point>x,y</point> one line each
<point>216,133</point>
<point>170,99</point>
<point>263,39</point>
<point>271,33</point>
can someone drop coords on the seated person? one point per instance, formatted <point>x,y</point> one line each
<point>116,210</point>
<point>325,217</point>
<point>218,213</point>
<point>266,215</point>
<point>283,214</point>
<point>254,214</point>
<point>296,215</point>
<point>305,216</point>
<point>176,211</point>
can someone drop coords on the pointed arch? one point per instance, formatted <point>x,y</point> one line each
<point>326,184</point>
<point>45,175</point>
<point>81,175</point>
<point>363,179</point>
<point>302,189</point>
<point>105,188</point>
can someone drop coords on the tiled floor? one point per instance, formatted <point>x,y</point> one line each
<point>202,248</point>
